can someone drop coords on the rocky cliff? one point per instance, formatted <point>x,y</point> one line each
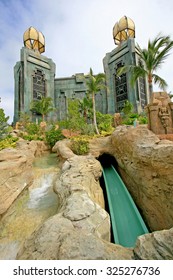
<point>16,170</point>
<point>145,163</point>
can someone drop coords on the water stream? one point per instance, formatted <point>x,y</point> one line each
<point>31,208</point>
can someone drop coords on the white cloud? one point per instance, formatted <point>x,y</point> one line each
<point>78,33</point>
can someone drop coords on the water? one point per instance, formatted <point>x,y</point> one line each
<point>31,208</point>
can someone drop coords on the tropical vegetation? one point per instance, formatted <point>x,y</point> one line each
<point>42,106</point>
<point>129,117</point>
<point>3,124</point>
<point>94,84</point>
<point>6,140</point>
<point>151,59</point>
<point>53,135</point>
<point>80,146</point>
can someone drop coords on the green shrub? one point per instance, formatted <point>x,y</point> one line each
<point>75,121</point>
<point>88,129</point>
<point>128,108</point>
<point>8,142</point>
<point>129,120</point>
<point>143,120</point>
<point>32,128</point>
<point>80,146</point>
<point>53,135</point>
<point>104,121</point>
<point>24,120</point>
<point>32,137</point>
<point>3,124</point>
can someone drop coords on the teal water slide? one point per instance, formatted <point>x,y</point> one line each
<point>127,223</point>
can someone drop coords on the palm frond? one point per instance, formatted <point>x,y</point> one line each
<point>124,69</point>
<point>160,81</point>
<point>137,72</point>
<point>162,55</point>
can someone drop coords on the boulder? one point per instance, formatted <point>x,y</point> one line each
<point>58,239</point>
<point>157,245</point>
<point>62,148</point>
<point>81,173</point>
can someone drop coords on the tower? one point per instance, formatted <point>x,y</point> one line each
<point>34,73</point>
<point>124,54</point>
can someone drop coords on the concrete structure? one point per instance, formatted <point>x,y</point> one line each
<point>35,76</point>
<point>120,88</point>
<point>75,88</point>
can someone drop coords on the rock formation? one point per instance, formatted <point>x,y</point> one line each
<point>63,149</point>
<point>81,229</point>
<point>58,239</point>
<point>145,163</point>
<point>16,170</point>
<point>155,246</point>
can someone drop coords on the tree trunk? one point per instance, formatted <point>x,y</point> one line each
<point>94,113</point>
<point>150,83</point>
<point>150,93</point>
<point>85,115</point>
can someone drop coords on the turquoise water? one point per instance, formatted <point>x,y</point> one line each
<point>31,208</point>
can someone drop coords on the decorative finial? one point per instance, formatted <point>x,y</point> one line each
<point>34,40</point>
<point>123,29</point>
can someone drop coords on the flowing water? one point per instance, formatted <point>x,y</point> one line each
<point>31,208</point>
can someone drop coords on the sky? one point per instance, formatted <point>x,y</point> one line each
<point>77,33</point>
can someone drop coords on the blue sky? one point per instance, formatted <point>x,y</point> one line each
<point>78,34</point>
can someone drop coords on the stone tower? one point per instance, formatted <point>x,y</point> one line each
<point>124,54</point>
<point>34,73</point>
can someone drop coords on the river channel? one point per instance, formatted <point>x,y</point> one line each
<point>31,208</point>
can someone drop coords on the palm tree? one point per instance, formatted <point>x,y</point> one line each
<point>85,107</point>
<point>42,106</point>
<point>94,84</point>
<point>152,57</point>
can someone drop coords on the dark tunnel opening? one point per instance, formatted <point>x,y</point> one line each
<point>107,159</point>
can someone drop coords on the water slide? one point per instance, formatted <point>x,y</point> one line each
<point>127,223</point>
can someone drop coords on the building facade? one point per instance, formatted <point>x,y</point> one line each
<point>34,77</point>
<point>120,88</point>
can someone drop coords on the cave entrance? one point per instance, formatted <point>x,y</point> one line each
<point>107,160</point>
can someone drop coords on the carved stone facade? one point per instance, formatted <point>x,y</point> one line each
<point>34,77</point>
<point>160,114</point>
<point>120,88</point>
